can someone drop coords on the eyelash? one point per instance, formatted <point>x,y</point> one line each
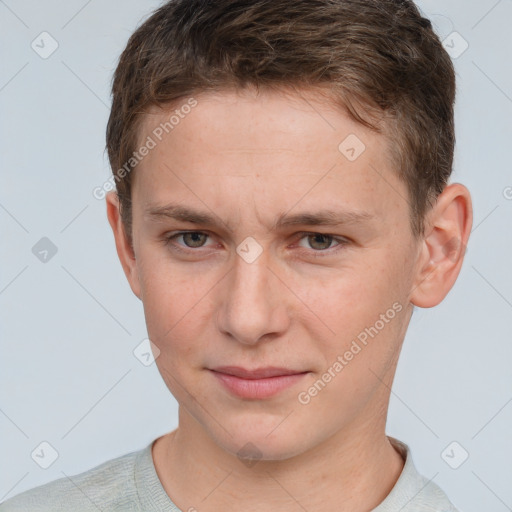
<point>342,242</point>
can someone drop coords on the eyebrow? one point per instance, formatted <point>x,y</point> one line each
<point>324,217</point>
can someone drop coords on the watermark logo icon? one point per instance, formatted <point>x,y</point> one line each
<point>352,147</point>
<point>44,45</point>
<point>249,454</point>
<point>44,455</point>
<point>146,352</point>
<point>249,250</point>
<point>44,250</point>
<point>454,455</point>
<point>455,45</point>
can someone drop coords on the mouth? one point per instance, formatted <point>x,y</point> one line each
<point>259,383</point>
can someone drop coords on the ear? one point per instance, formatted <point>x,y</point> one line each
<point>443,246</point>
<point>125,251</point>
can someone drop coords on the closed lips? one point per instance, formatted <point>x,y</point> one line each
<point>259,373</point>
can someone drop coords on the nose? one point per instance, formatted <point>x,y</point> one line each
<point>254,304</point>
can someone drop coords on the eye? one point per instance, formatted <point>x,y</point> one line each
<point>191,239</point>
<point>320,244</point>
<point>319,241</point>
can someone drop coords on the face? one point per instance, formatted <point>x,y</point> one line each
<point>264,238</point>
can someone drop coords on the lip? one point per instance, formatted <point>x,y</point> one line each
<point>258,383</point>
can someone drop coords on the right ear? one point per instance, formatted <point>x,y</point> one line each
<point>124,249</point>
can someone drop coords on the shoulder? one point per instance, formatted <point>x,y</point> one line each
<point>431,498</point>
<point>413,492</point>
<point>108,486</point>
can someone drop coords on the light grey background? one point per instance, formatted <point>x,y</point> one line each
<point>69,326</point>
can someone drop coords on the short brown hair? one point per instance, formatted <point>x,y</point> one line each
<point>380,59</point>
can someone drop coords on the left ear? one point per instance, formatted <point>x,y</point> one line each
<point>447,230</point>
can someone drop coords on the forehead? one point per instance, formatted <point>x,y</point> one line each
<point>287,110</point>
<point>246,146</point>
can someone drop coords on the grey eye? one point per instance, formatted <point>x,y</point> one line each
<point>319,241</point>
<point>194,239</point>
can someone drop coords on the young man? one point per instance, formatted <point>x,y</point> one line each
<point>282,205</point>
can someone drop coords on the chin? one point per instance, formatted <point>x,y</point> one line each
<point>260,442</point>
<point>249,451</point>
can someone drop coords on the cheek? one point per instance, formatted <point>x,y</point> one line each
<point>170,300</point>
<point>361,304</point>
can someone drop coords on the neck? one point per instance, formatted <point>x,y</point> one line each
<point>353,470</point>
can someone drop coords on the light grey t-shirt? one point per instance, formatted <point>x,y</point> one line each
<point>130,483</point>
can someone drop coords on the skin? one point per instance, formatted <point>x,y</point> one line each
<point>246,158</point>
